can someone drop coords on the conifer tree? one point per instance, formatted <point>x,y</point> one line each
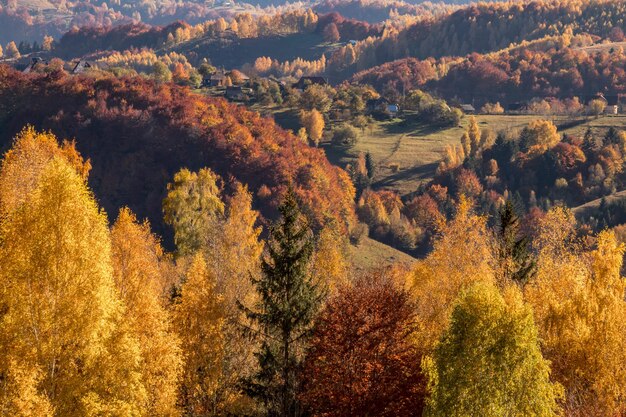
<point>282,319</point>
<point>369,165</point>
<point>611,137</point>
<point>514,259</point>
<point>589,141</point>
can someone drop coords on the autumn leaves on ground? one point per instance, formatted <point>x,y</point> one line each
<point>98,319</point>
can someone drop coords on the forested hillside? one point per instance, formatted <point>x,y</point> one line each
<point>138,133</point>
<point>557,66</point>
<point>318,209</point>
<point>484,28</point>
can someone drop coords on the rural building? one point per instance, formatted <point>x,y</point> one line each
<point>468,108</point>
<point>217,79</point>
<point>382,106</point>
<point>220,79</point>
<point>516,106</point>
<point>238,77</point>
<point>34,64</point>
<point>235,93</point>
<point>304,82</point>
<point>612,104</point>
<point>80,67</point>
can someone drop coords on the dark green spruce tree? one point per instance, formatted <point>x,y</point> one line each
<point>589,142</point>
<point>515,260</point>
<point>369,166</point>
<point>282,320</point>
<point>611,137</point>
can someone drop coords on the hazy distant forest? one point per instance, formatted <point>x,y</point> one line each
<point>328,209</point>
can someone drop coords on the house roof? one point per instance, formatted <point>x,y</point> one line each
<point>33,63</point>
<point>80,66</point>
<point>310,80</point>
<point>317,80</point>
<point>467,107</point>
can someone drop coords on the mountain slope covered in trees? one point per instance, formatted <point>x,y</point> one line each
<point>138,133</point>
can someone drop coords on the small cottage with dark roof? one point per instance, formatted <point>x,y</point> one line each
<point>80,67</point>
<point>217,79</point>
<point>235,93</point>
<point>382,106</point>
<point>33,64</point>
<point>304,82</point>
<point>468,109</point>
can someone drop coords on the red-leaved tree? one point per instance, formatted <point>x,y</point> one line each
<point>362,361</point>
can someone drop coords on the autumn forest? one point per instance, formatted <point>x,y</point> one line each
<point>332,208</point>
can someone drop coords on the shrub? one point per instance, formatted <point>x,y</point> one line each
<point>358,233</point>
<point>345,135</point>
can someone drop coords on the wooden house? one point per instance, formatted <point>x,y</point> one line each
<point>304,82</point>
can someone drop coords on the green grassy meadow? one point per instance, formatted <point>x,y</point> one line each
<point>416,149</point>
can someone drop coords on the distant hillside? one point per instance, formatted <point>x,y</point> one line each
<point>551,67</point>
<point>235,52</point>
<point>32,19</point>
<point>82,41</point>
<point>484,28</point>
<point>287,36</point>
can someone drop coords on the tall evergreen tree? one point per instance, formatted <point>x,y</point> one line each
<point>611,137</point>
<point>369,165</point>
<point>589,141</point>
<point>515,262</point>
<point>288,302</point>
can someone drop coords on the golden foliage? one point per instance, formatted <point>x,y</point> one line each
<point>461,257</point>
<point>330,265</point>
<point>489,362</point>
<point>581,312</point>
<point>313,122</point>
<point>19,395</point>
<point>55,266</point>
<point>191,208</point>
<point>23,163</point>
<point>138,273</point>
<point>200,320</point>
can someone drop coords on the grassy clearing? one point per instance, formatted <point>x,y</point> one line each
<point>592,206</point>
<point>600,47</point>
<point>370,254</point>
<point>36,4</point>
<point>408,154</point>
